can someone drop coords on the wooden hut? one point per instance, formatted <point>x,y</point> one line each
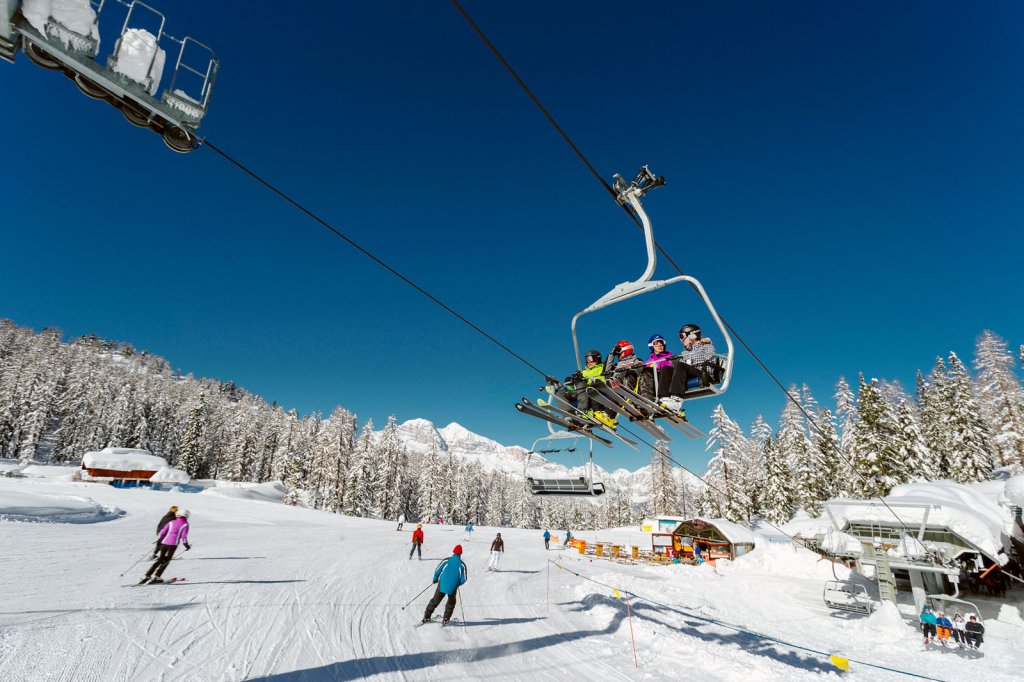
<point>121,467</point>
<point>715,538</point>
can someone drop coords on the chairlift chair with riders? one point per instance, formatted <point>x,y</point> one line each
<point>559,443</point>
<point>127,83</point>
<point>629,196</point>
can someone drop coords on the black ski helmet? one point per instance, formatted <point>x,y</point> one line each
<point>592,355</point>
<point>690,330</point>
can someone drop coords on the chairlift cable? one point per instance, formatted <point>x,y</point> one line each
<point>245,169</point>
<point>608,188</point>
<point>637,222</point>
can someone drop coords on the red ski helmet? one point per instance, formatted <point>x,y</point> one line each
<point>625,349</point>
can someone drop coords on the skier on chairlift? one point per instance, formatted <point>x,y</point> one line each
<point>623,364</point>
<point>660,362</point>
<point>575,389</point>
<point>697,360</point>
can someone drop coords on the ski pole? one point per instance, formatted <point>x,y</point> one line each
<point>418,595</point>
<point>135,564</point>
<point>462,609</point>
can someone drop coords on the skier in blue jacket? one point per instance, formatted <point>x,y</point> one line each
<point>547,539</point>
<point>449,576</point>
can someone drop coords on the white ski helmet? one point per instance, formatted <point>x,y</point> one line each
<point>183,513</point>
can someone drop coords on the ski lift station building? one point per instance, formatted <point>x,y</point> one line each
<point>129,467</point>
<point>722,539</point>
<point>935,532</point>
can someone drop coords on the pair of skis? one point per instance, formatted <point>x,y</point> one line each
<point>146,583</point>
<point>643,411</point>
<point>560,411</point>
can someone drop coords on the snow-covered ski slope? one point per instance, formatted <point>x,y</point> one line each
<point>280,593</point>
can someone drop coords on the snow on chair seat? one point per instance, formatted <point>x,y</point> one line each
<point>564,486</point>
<point>847,597</point>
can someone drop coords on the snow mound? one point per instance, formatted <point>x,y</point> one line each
<point>170,475</point>
<point>38,508</point>
<point>272,491</point>
<point>1013,491</point>
<point>773,558</point>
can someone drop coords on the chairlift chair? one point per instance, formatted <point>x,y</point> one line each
<point>629,196</point>
<point>176,115</point>
<point>846,596</point>
<point>560,442</point>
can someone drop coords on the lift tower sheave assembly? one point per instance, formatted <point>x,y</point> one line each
<point>66,38</point>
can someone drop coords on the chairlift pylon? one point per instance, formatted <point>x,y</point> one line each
<point>176,115</point>
<point>629,195</point>
<point>555,443</point>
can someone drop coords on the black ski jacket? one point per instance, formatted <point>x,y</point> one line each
<point>498,545</point>
<point>169,516</point>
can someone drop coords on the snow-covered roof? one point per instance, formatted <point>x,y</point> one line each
<point>733,532</point>
<point>170,475</point>
<point>965,509</point>
<point>123,459</point>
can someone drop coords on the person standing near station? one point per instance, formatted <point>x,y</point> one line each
<point>497,549</point>
<point>417,542</point>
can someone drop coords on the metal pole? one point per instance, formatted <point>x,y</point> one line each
<point>136,563</point>
<point>418,595</point>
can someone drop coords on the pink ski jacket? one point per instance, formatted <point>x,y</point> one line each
<point>174,532</point>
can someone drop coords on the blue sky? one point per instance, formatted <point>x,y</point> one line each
<point>844,179</point>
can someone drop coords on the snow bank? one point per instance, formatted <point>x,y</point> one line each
<point>34,507</point>
<point>837,542</point>
<point>123,459</point>
<point>1013,491</point>
<point>967,510</point>
<point>784,560</point>
<point>75,22</point>
<point>170,475</point>
<point>272,491</point>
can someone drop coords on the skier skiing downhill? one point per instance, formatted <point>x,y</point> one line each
<point>417,542</point>
<point>497,549</point>
<point>169,516</point>
<point>449,575</point>
<point>173,533</point>
<point>401,521</point>
<point>469,531</point>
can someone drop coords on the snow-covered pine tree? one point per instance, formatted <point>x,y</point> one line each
<point>192,449</point>
<point>795,446</point>
<point>726,467</point>
<point>358,487</point>
<point>387,484</point>
<point>911,446</point>
<point>1002,398</point>
<point>877,465</point>
<point>931,413</point>
<point>663,482</point>
<point>430,483</point>
<point>833,467</point>
<point>970,459</point>
<point>778,499</point>
<point>846,415</point>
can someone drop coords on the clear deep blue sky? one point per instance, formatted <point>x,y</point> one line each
<point>844,178</point>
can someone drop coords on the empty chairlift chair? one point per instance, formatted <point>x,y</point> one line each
<point>557,444</point>
<point>846,596</point>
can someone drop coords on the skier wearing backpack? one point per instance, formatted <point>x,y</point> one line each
<point>449,575</point>
<point>169,516</point>
<point>417,542</point>
<point>497,549</point>
<point>171,535</point>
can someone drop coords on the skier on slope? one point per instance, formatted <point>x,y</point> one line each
<point>401,521</point>
<point>469,531</point>
<point>497,549</point>
<point>449,575</point>
<point>169,516</point>
<point>547,539</point>
<point>568,538</point>
<point>171,535</point>
<point>417,542</point>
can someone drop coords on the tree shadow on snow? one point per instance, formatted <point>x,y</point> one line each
<point>375,665</point>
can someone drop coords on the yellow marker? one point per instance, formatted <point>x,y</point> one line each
<point>841,663</point>
<point>617,595</point>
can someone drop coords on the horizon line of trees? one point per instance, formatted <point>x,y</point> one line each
<point>59,400</point>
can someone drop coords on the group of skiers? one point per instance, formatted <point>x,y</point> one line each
<point>662,378</point>
<point>968,634</point>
